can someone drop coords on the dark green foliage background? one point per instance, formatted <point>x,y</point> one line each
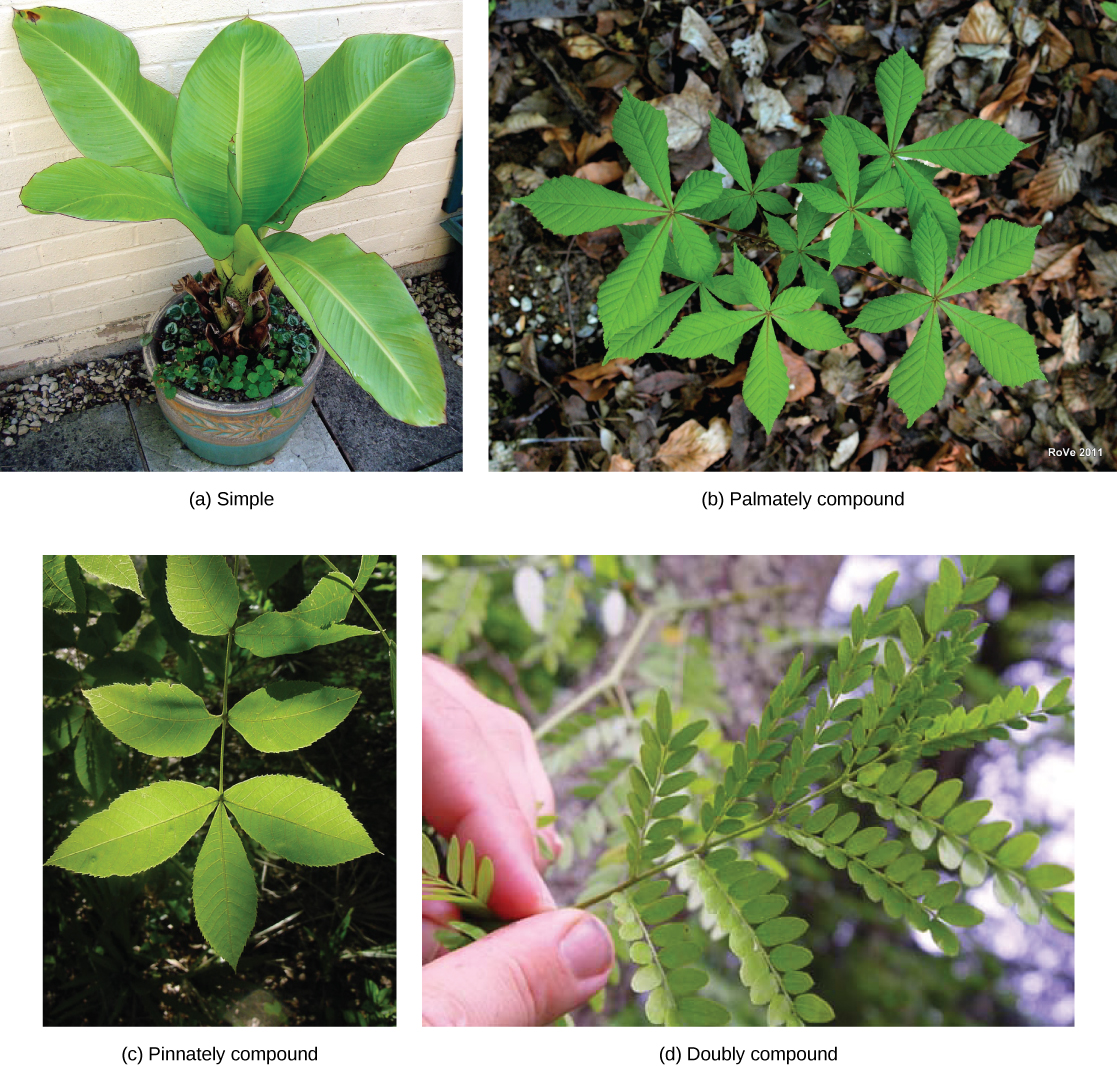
<point>127,950</point>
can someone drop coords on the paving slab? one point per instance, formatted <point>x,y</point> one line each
<point>371,440</point>
<point>310,448</point>
<point>98,439</point>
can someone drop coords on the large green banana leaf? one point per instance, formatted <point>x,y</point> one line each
<point>363,314</point>
<point>239,144</point>
<point>87,189</point>
<point>375,94</point>
<point>90,76</point>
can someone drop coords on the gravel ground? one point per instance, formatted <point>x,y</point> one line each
<point>27,405</point>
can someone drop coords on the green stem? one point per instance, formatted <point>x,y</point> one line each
<point>612,679</point>
<point>224,712</point>
<point>353,587</point>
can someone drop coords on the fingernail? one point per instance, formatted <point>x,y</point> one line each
<point>587,949</point>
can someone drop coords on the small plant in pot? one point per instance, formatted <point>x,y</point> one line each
<point>235,157</point>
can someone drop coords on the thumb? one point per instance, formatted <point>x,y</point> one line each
<point>526,974</point>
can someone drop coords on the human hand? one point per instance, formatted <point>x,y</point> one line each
<point>484,782</point>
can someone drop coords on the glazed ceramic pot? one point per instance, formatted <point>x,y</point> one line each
<point>233,433</point>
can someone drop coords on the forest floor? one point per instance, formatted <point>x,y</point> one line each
<point>773,69</point>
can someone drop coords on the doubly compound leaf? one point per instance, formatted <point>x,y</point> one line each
<point>290,715</point>
<point>569,206</point>
<point>138,830</point>
<point>224,889</point>
<point>117,570</point>
<point>274,633</point>
<point>641,131</point>
<point>1006,351</point>
<point>202,593</point>
<point>467,881</point>
<point>919,380</point>
<point>163,719</point>
<point>298,819</point>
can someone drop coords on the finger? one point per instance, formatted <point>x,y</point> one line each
<point>518,887</point>
<point>527,974</point>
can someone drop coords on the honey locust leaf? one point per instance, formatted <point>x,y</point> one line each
<point>1000,252</point>
<point>641,131</point>
<point>889,313</point>
<point>919,380</point>
<point>976,146</point>
<point>630,294</point>
<point>202,593</point>
<point>163,719</point>
<point>1006,351</point>
<point>766,383</point>
<point>298,819</point>
<point>900,86</point>
<point>284,716</point>
<point>138,830</point>
<point>224,889</point>
<point>117,570</point>
<point>568,206</point>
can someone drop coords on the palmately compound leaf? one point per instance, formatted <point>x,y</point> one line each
<point>570,206</point>
<point>900,86</point>
<point>976,146</point>
<point>890,313</point>
<point>1006,351</point>
<point>138,830</point>
<point>284,716</point>
<point>274,633</point>
<point>641,131</point>
<point>841,156</point>
<point>637,340</point>
<point>919,380</point>
<point>928,246</point>
<point>163,719</point>
<point>630,294</point>
<point>117,570</point>
<point>766,383</point>
<point>298,819</point>
<point>224,889</point>
<point>813,328</point>
<point>202,593</point>
<point>1001,251</point>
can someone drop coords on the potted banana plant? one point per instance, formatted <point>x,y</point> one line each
<point>243,148</point>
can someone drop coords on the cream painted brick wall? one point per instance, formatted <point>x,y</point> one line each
<point>67,286</point>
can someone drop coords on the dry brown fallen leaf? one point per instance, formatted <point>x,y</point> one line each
<point>1015,91</point>
<point>601,173</point>
<point>939,53</point>
<point>620,463</point>
<point>688,113</point>
<point>692,448</point>
<point>695,31</point>
<point>802,378</point>
<point>1056,183</point>
<point>583,46</point>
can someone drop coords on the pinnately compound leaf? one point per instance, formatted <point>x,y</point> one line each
<point>138,830</point>
<point>290,715</point>
<point>298,819</point>
<point>287,632</point>
<point>202,593</point>
<point>328,602</point>
<point>118,570</point>
<point>163,719</point>
<point>224,889</point>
